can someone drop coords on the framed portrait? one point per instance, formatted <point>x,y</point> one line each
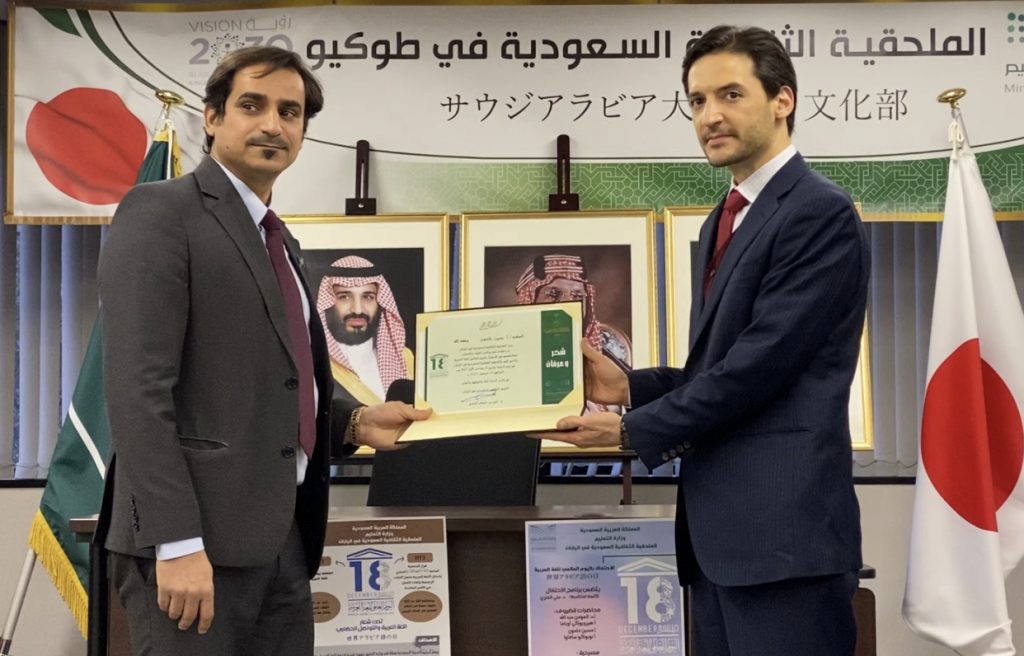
<point>682,231</point>
<point>371,276</point>
<point>605,259</point>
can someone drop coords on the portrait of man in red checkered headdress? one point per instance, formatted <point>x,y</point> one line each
<point>554,278</point>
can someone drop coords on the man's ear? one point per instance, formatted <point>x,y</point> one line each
<point>785,102</point>
<point>210,119</point>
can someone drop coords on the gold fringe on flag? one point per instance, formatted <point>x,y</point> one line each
<point>49,552</point>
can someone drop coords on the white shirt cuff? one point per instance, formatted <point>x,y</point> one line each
<point>179,548</point>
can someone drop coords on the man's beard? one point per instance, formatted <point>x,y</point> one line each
<point>343,335</point>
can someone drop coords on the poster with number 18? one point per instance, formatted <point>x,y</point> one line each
<point>382,588</point>
<point>603,588</point>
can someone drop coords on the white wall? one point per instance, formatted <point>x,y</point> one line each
<point>46,628</point>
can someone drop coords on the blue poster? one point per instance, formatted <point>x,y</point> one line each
<point>603,588</point>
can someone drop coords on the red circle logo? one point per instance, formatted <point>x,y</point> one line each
<point>87,144</point>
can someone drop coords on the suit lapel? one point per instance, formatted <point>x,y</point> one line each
<point>317,342</point>
<point>222,200</point>
<point>757,217</point>
<point>291,246</point>
<point>705,244</point>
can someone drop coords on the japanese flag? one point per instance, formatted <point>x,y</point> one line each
<point>968,524</point>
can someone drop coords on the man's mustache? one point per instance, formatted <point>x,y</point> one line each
<point>364,317</point>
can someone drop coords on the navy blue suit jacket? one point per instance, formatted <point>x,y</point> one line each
<point>759,414</point>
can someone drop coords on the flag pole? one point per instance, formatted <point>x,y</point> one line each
<point>17,603</point>
<point>169,99</point>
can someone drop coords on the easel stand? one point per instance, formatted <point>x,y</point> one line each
<point>362,204</point>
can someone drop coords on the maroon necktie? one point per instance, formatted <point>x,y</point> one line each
<point>734,202</point>
<point>298,331</point>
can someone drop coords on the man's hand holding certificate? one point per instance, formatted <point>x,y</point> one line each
<point>606,384</point>
<point>497,370</point>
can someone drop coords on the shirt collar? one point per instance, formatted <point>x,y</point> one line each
<point>759,179</point>
<point>257,210</point>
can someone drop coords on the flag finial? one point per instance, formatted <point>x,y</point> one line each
<point>952,97</point>
<point>957,131</point>
<point>169,98</point>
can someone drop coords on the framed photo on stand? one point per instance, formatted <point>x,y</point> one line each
<point>370,277</point>
<point>606,259</point>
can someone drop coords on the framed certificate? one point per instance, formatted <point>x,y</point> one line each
<point>682,231</point>
<point>497,370</point>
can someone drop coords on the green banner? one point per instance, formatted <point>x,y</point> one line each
<point>557,347</point>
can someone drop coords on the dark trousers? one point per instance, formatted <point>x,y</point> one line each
<point>265,610</point>
<point>797,617</point>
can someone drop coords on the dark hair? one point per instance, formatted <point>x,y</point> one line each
<point>772,64</point>
<point>218,87</point>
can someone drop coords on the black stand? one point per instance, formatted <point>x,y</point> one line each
<point>362,204</point>
<point>564,200</point>
<point>491,470</point>
<point>99,600</point>
<point>627,480</point>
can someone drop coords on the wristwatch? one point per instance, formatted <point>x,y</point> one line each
<point>624,444</point>
<point>352,430</point>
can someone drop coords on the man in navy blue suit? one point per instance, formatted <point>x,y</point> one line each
<point>768,527</point>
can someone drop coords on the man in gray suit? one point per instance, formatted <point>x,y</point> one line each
<point>218,386</point>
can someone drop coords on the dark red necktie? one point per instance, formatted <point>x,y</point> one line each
<point>298,331</point>
<point>734,202</point>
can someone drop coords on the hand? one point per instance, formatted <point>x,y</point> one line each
<point>605,382</point>
<point>597,429</point>
<point>381,425</point>
<point>184,590</point>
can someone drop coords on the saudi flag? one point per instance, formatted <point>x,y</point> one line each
<point>156,165</point>
<point>74,486</point>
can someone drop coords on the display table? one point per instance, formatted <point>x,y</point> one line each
<point>487,570</point>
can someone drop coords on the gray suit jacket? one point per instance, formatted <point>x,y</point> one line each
<point>200,381</point>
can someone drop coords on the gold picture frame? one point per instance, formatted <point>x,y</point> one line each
<point>615,249</point>
<point>410,251</point>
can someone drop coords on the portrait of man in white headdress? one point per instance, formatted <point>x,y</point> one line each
<point>364,330</point>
